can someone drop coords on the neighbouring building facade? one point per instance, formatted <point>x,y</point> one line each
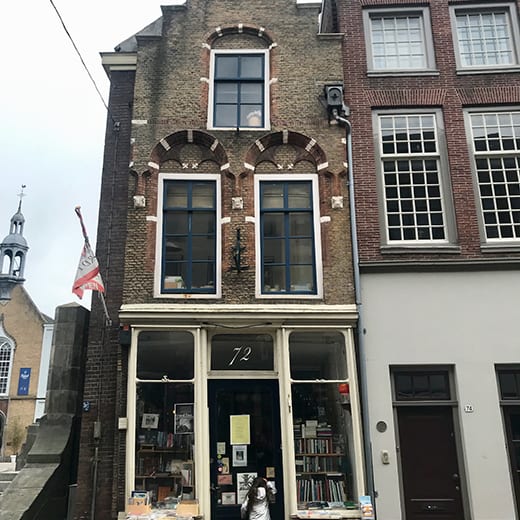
<point>434,93</point>
<point>224,245</point>
<point>25,344</point>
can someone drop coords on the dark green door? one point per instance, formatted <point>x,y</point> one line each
<point>257,399</point>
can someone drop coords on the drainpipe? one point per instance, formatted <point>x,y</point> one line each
<point>357,289</point>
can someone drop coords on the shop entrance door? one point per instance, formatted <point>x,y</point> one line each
<point>232,467</point>
<point>429,464</point>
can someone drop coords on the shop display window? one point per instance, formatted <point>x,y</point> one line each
<point>321,420</point>
<point>165,417</point>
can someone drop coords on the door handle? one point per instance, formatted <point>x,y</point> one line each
<point>455,477</point>
<point>214,488</point>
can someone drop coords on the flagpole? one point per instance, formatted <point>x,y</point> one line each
<point>108,321</point>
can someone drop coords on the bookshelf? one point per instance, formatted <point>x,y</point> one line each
<point>320,445</point>
<point>164,473</point>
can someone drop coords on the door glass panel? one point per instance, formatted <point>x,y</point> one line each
<point>242,352</point>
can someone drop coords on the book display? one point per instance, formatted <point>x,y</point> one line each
<point>320,445</point>
<point>164,444</point>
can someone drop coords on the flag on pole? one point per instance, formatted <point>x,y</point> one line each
<point>87,275</point>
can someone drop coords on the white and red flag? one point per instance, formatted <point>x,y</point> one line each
<point>87,275</point>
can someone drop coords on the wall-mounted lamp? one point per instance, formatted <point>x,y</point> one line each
<point>236,251</point>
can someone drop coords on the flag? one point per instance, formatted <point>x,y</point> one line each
<point>87,275</point>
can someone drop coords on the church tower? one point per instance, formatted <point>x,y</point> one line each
<point>13,251</point>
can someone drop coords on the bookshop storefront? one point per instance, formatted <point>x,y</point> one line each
<point>218,395</point>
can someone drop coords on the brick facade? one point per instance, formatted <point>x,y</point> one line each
<point>446,89</point>
<point>162,109</point>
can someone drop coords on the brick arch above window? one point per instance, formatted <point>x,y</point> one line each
<point>170,148</point>
<point>306,149</point>
<point>227,30</point>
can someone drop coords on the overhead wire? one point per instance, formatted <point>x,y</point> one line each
<point>82,60</point>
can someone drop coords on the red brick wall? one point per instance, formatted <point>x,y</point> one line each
<point>447,91</point>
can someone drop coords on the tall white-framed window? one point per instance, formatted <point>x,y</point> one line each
<point>399,40</point>
<point>413,173</point>
<point>495,146</point>
<point>239,90</point>
<point>486,36</point>
<point>188,249</point>
<point>6,363</point>
<point>288,238</point>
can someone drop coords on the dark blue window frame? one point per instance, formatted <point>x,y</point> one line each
<point>187,265</point>
<point>278,274</point>
<point>238,79</point>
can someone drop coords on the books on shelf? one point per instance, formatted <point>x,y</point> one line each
<point>320,489</point>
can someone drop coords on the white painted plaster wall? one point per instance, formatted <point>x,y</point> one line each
<point>467,320</point>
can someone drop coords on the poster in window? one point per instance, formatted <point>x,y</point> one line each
<point>240,456</point>
<point>183,418</point>
<point>244,482</point>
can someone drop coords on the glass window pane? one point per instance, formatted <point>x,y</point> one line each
<point>242,352</point>
<point>299,195</point>
<point>176,222</point>
<point>322,443</point>
<point>302,278</point>
<point>273,225</point>
<point>203,195</point>
<point>251,116</point>
<point>251,93</point>
<point>203,222</point>
<point>165,441</point>
<point>175,248</point>
<point>302,251</point>
<point>226,115</point>
<point>300,224</point>
<point>176,194</point>
<point>165,353</point>
<point>274,278</point>
<point>203,275</point>
<point>226,67</point>
<point>252,67</point>
<point>272,195</point>
<point>226,92</point>
<point>274,251</point>
<point>317,355</point>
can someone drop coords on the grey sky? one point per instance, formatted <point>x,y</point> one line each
<point>53,126</point>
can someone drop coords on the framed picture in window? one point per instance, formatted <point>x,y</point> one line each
<point>183,418</point>
<point>150,421</point>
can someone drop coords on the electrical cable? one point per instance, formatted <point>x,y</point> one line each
<point>82,60</point>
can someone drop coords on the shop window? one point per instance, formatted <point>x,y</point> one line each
<point>321,419</point>
<point>239,90</point>
<point>288,235</point>
<point>165,417</point>
<point>189,235</point>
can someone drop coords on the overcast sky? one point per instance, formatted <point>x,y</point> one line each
<point>53,125</point>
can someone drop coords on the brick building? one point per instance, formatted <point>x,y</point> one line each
<point>434,94</point>
<point>25,344</point>
<point>224,245</point>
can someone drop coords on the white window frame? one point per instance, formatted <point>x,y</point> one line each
<point>510,11</point>
<point>211,97</point>
<point>427,41</point>
<point>441,156</point>
<point>317,236</point>
<point>3,342</point>
<point>498,154</point>
<point>163,177</point>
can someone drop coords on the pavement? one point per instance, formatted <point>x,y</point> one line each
<point>7,467</point>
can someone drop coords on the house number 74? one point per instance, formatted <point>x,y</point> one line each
<point>241,354</point>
